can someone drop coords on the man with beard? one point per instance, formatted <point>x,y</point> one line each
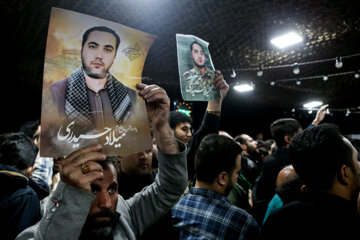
<point>199,78</point>
<point>86,204</point>
<point>91,95</point>
<point>206,212</point>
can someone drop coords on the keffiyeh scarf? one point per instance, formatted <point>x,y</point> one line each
<point>77,105</point>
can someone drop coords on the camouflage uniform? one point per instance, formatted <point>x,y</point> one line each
<point>197,83</point>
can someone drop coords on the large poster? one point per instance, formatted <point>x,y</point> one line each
<point>91,69</point>
<point>196,69</point>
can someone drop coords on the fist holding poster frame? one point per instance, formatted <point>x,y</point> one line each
<point>196,69</point>
<point>89,96</point>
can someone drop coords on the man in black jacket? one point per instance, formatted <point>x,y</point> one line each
<point>282,131</point>
<point>20,195</point>
<point>327,163</point>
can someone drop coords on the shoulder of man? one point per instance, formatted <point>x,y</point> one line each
<point>58,90</point>
<point>132,94</point>
<point>59,86</point>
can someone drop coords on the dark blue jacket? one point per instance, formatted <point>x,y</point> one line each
<point>19,202</point>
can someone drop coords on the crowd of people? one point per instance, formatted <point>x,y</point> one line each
<point>204,184</point>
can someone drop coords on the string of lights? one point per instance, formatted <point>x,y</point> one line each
<point>330,111</point>
<point>338,60</point>
<point>298,80</point>
<point>324,77</point>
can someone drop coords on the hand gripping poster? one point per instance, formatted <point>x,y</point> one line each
<point>196,69</point>
<point>89,96</point>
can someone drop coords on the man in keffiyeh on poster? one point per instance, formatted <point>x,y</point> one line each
<point>91,96</point>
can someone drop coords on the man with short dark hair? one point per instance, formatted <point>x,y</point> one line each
<point>181,125</point>
<point>91,95</point>
<point>20,195</point>
<point>250,157</point>
<point>206,212</point>
<point>327,163</point>
<point>282,131</point>
<point>248,144</point>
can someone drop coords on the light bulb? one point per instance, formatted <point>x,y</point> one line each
<point>298,82</point>
<point>233,74</point>
<point>338,62</point>
<point>260,72</point>
<point>325,78</point>
<point>296,69</point>
<point>272,83</point>
<point>244,87</point>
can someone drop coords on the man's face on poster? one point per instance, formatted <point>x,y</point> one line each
<point>98,54</point>
<point>198,55</point>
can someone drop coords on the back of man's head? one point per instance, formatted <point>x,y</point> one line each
<point>176,118</point>
<point>17,150</point>
<point>29,128</point>
<point>317,155</point>
<point>284,127</point>
<point>215,154</point>
<point>288,184</point>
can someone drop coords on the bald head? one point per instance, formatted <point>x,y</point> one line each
<point>287,174</point>
<point>223,133</point>
<point>289,185</point>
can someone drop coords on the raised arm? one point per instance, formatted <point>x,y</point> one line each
<point>221,85</point>
<point>155,200</point>
<point>320,115</point>
<point>158,107</point>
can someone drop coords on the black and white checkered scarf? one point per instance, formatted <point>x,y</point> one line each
<point>77,105</point>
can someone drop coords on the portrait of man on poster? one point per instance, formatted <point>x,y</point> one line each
<point>91,96</point>
<point>199,77</point>
<point>196,70</point>
<point>90,73</point>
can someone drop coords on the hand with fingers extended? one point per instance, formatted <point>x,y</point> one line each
<point>157,104</point>
<point>320,115</point>
<point>80,168</point>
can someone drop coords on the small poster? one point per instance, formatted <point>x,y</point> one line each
<point>196,69</point>
<point>89,96</point>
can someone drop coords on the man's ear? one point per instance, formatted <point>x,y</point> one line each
<point>345,175</point>
<point>222,178</point>
<point>287,139</point>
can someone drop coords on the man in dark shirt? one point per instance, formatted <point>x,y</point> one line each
<point>282,131</point>
<point>327,163</point>
<point>20,195</point>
